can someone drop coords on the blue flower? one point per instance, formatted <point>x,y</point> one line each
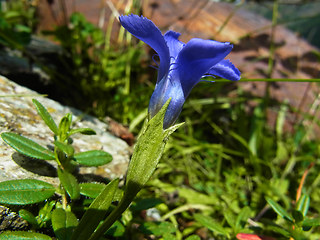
<point>181,65</point>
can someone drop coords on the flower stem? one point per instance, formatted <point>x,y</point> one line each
<point>116,213</point>
<point>147,153</point>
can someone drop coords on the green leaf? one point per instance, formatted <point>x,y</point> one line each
<point>157,228</point>
<point>29,217</point>
<point>242,218</point>
<point>193,237</point>
<point>311,222</point>
<point>209,223</point>
<point>64,127</point>
<point>96,212</point>
<point>148,151</point>
<point>25,191</point>
<point>303,204</point>
<point>70,183</point>
<point>279,210</point>
<point>66,148</point>
<point>27,147</point>
<point>45,212</point>
<point>45,115</point>
<point>85,131</point>
<point>91,190</point>
<point>145,203</point>
<point>231,218</point>
<point>116,230</point>
<point>297,216</point>
<point>20,235</point>
<point>93,158</point>
<point>279,229</point>
<point>169,236</point>
<point>63,223</point>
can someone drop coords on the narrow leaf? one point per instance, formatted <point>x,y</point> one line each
<point>70,183</point>
<point>25,191</point>
<point>20,235</point>
<point>145,203</point>
<point>64,127</point>
<point>85,131</point>
<point>63,223</point>
<point>242,218</point>
<point>29,217</point>
<point>279,210</point>
<point>91,190</point>
<point>27,147</point>
<point>117,230</point>
<point>157,228</point>
<point>66,148</point>
<point>96,212</point>
<point>311,222</point>
<point>303,204</point>
<point>209,223</point>
<point>93,158</point>
<point>193,237</point>
<point>231,218</point>
<point>45,115</point>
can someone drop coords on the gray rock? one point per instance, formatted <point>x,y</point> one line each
<point>18,114</point>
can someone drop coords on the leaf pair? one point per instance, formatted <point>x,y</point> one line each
<point>65,123</point>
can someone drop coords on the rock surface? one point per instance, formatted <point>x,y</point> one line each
<point>18,114</point>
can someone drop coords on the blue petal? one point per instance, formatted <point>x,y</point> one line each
<point>174,45</point>
<point>163,91</point>
<point>196,58</point>
<point>225,69</point>
<point>146,31</point>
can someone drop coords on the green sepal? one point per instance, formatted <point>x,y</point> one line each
<point>148,151</point>
<point>21,235</point>
<point>25,191</point>
<point>96,212</point>
<point>63,223</point>
<point>69,183</point>
<point>27,147</point>
<point>93,158</point>
<point>45,115</point>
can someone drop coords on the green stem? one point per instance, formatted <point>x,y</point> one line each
<point>272,44</point>
<point>115,214</point>
<point>145,158</point>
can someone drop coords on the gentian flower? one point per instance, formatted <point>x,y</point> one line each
<point>181,65</point>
